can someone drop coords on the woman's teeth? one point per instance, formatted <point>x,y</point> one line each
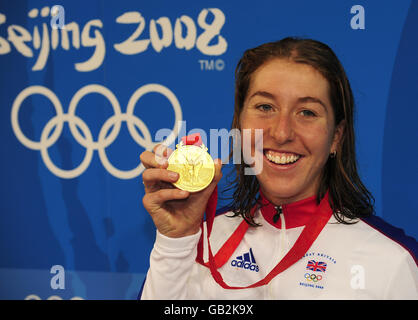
<point>282,159</point>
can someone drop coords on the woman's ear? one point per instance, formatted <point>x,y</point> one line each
<point>338,134</point>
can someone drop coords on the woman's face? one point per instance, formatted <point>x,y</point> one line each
<point>290,102</point>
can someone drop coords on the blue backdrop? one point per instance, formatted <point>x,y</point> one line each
<point>86,88</point>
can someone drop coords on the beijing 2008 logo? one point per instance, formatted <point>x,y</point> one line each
<point>55,125</point>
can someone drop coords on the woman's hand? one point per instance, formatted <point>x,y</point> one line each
<point>176,213</point>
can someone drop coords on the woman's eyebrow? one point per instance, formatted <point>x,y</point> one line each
<point>312,99</point>
<point>300,100</point>
<point>263,94</point>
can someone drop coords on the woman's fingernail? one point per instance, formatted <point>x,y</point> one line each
<point>173,175</point>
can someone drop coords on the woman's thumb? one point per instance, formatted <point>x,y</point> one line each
<point>218,171</point>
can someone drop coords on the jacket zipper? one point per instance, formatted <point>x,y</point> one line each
<point>279,211</point>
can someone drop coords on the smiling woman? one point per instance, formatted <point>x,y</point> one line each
<point>292,128</point>
<point>297,91</point>
<point>306,212</point>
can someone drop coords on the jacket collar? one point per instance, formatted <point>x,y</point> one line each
<point>296,214</point>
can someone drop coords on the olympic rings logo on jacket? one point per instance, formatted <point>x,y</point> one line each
<point>104,140</point>
<point>313,277</point>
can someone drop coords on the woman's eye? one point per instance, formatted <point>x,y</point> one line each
<point>308,113</point>
<point>264,107</point>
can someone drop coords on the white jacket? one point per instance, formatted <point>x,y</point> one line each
<point>366,260</point>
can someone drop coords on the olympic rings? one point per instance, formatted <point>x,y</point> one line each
<point>104,140</point>
<point>313,277</point>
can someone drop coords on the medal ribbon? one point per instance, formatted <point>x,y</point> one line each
<point>309,234</point>
<point>192,139</point>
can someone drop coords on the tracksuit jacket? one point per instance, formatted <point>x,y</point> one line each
<point>369,259</point>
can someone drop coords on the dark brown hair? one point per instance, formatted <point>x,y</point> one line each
<point>349,198</point>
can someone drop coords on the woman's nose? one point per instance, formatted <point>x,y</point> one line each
<point>282,128</point>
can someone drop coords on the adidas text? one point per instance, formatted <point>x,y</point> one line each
<point>245,265</point>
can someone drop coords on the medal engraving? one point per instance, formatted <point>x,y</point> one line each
<point>194,165</point>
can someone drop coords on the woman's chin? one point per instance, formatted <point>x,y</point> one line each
<point>284,192</point>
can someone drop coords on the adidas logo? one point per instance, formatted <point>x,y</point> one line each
<point>246,261</point>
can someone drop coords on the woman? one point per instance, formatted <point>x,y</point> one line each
<point>303,227</point>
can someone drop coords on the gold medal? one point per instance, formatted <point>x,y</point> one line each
<point>194,165</point>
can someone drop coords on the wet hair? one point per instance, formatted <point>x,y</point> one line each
<point>349,198</point>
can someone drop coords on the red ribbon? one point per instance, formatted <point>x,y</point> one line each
<point>192,139</point>
<point>309,234</point>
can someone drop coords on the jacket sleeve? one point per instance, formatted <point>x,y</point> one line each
<point>171,263</point>
<point>403,284</point>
